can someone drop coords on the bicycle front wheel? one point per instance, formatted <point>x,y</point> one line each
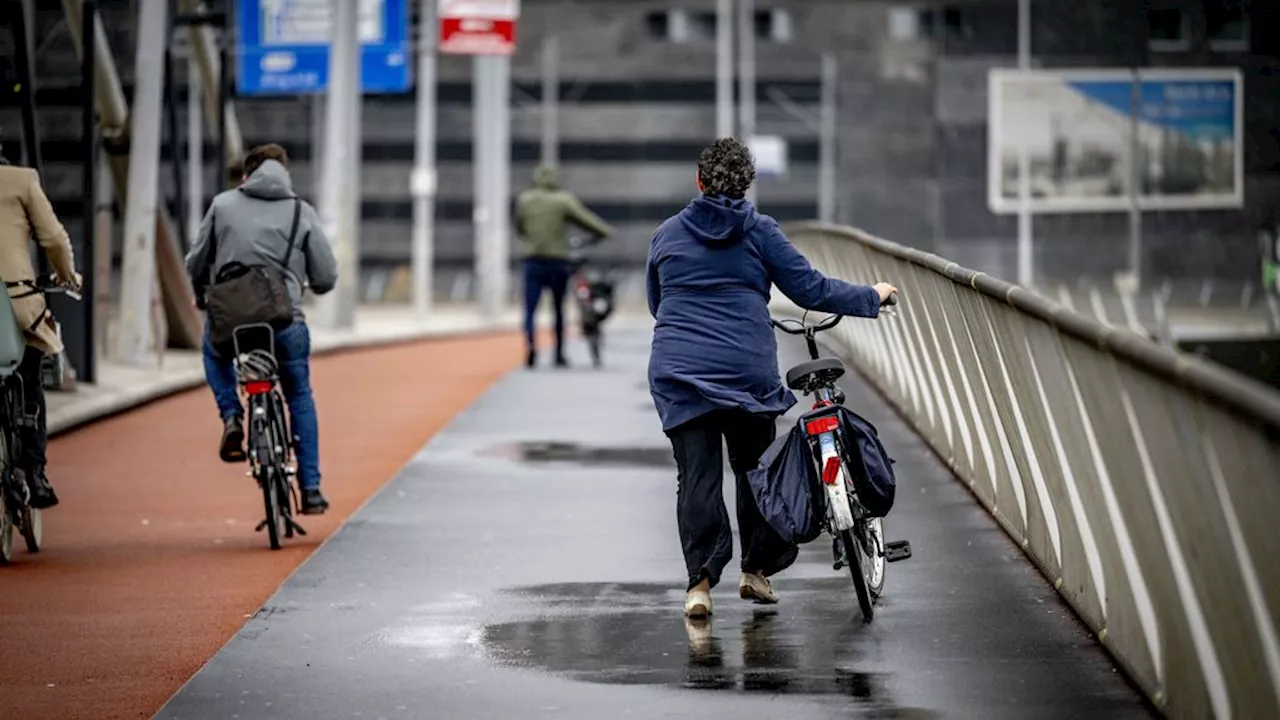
<point>6,520</point>
<point>6,529</point>
<point>856,562</point>
<point>32,522</point>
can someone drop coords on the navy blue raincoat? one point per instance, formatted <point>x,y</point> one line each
<point>709,273</point>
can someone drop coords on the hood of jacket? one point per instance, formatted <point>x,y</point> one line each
<point>718,221</point>
<point>546,177</point>
<point>269,182</point>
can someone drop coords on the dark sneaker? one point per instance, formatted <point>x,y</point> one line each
<point>42,495</point>
<point>313,502</point>
<point>562,362</point>
<point>232,448</point>
<point>531,359</point>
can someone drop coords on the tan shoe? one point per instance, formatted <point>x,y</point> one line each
<point>697,604</point>
<point>757,589</point>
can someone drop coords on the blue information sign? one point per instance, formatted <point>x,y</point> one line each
<point>284,47</point>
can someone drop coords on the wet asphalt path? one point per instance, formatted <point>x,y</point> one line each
<point>526,564</point>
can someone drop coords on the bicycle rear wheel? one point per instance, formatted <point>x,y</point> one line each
<point>594,341</point>
<point>873,529</point>
<point>271,501</point>
<point>856,562</point>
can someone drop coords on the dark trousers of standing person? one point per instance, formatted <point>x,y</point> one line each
<point>705,532</point>
<point>542,274</point>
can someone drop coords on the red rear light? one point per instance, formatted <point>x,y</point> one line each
<point>817,426</point>
<point>258,387</point>
<point>831,470</point>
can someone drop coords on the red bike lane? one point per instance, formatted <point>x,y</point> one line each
<point>151,561</point>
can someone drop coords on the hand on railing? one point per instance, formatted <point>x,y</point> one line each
<point>888,297</point>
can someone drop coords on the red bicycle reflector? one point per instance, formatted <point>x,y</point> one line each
<point>258,387</point>
<point>817,426</point>
<point>831,471</point>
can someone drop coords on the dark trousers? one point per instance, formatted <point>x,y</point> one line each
<point>705,533</point>
<point>542,274</point>
<point>293,351</point>
<point>32,440</point>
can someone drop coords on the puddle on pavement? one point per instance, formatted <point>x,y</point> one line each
<point>634,635</point>
<point>561,452</point>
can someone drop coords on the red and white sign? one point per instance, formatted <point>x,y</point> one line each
<point>478,27</point>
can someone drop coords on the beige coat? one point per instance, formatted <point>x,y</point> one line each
<point>24,210</point>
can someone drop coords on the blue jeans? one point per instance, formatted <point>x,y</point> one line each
<point>542,274</point>
<point>293,351</point>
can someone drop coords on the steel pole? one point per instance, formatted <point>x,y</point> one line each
<point>827,143</point>
<point>227,128</point>
<point>178,206</point>
<point>551,100</point>
<point>89,184</point>
<point>1026,262</point>
<point>484,127</point>
<point>138,283</point>
<point>341,162</point>
<point>1135,184</point>
<point>210,61</point>
<point>317,147</point>
<point>423,183</point>
<point>502,182</point>
<point>724,68</point>
<point>195,150</point>
<point>747,76</point>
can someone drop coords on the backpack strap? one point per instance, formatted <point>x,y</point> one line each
<point>293,231</point>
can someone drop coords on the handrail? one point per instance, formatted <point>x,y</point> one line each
<point>1141,482</point>
<point>1230,389</point>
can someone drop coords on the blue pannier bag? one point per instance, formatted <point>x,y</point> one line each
<point>787,488</point>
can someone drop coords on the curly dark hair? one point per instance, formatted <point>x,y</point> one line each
<point>263,153</point>
<point>726,168</point>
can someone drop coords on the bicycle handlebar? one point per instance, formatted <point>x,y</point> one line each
<point>802,328</point>
<point>48,285</point>
<point>799,328</point>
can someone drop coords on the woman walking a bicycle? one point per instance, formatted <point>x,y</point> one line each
<point>713,370</point>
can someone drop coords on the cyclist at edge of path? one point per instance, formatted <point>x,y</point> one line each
<point>543,215</point>
<point>24,209</point>
<point>713,369</point>
<point>253,224</point>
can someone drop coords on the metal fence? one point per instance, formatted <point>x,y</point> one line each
<point>1144,484</point>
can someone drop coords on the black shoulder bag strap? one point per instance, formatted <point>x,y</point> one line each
<point>293,232</point>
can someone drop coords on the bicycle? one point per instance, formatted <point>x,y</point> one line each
<point>270,444</point>
<point>593,290</point>
<point>15,495</point>
<point>857,537</point>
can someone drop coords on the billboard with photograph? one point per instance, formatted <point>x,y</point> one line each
<point>1078,132</point>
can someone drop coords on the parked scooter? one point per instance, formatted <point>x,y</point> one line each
<point>593,289</point>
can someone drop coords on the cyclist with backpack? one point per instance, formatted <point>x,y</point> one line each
<point>263,230</point>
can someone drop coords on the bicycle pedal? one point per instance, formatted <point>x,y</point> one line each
<point>897,550</point>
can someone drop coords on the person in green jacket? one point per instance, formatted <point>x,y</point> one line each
<point>543,215</point>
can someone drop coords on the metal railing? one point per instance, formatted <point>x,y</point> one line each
<point>1144,483</point>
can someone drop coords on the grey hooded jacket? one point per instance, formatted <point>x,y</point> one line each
<point>252,225</point>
